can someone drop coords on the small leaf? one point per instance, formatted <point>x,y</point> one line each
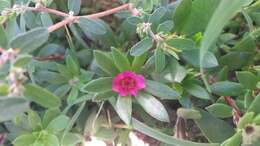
<point>3,37</point>
<point>165,27</point>
<point>93,26</point>
<point>41,96</point>
<point>24,140</point>
<point>99,85</point>
<point>247,79</point>
<point>72,65</point>
<point>254,107</point>
<point>226,88</point>
<point>12,106</point>
<point>120,60</point>
<point>160,90</point>
<point>235,140</point>
<point>34,119</point>
<point>105,62</point>
<point>156,17</point>
<point>22,60</point>
<point>71,139</point>
<point>141,47</point>
<point>73,95</point>
<point>220,110</point>
<point>51,140</point>
<point>245,120</point>
<point>124,108</point>
<point>138,62</point>
<point>46,19</point>
<point>192,57</point>
<point>217,133</point>
<point>159,60</point>
<point>181,44</point>
<point>58,124</point>
<point>197,91</point>
<point>31,40</point>
<point>188,113</point>
<point>153,107</point>
<point>74,5</point>
<point>49,115</point>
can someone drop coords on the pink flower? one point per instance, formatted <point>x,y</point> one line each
<point>128,83</point>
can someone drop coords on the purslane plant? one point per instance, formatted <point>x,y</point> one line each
<point>157,72</point>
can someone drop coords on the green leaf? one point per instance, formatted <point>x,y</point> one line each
<point>153,107</point>
<point>160,90</point>
<point>124,108</point>
<point>4,4</point>
<point>93,26</point>
<point>188,113</point>
<point>247,79</point>
<point>120,60</point>
<point>227,88</point>
<point>235,140</point>
<point>159,60</point>
<point>49,115</point>
<point>22,60</point>
<point>41,96</point>
<point>51,140</point>
<point>58,124</point>
<point>223,13</point>
<point>31,40</point>
<point>74,5</point>
<point>34,120</point>
<point>181,14</point>
<point>99,85</point>
<point>156,17</point>
<point>141,47</point>
<point>165,27</point>
<point>12,106</point>
<point>181,43</point>
<point>24,140</point>
<point>73,95</point>
<point>71,139</point>
<point>220,110</point>
<point>197,91</point>
<point>254,107</point>
<point>72,65</point>
<point>46,19</point>
<point>245,120</point>
<point>235,60</point>
<point>3,37</point>
<point>105,62</point>
<point>138,62</point>
<point>217,133</point>
<point>141,127</point>
<point>192,57</point>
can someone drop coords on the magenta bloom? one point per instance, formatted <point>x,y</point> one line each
<point>128,83</point>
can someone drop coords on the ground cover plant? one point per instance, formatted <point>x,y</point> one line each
<point>129,73</point>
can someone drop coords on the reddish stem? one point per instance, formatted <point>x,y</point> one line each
<point>236,112</point>
<point>50,58</point>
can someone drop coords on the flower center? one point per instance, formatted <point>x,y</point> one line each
<point>128,83</point>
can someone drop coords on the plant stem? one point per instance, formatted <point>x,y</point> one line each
<point>236,112</point>
<point>73,19</point>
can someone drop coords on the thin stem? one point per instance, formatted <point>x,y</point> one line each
<point>72,19</point>
<point>108,12</point>
<point>236,112</point>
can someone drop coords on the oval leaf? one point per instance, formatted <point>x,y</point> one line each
<point>41,96</point>
<point>99,85</point>
<point>227,88</point>
<point>31,40</point>
<point>153,107</point>
<point>141,47</point>
<point>124,108</point>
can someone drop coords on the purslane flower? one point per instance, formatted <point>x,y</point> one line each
<point>128,83</point>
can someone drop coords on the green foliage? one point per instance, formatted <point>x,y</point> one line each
<point>61,63</point>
